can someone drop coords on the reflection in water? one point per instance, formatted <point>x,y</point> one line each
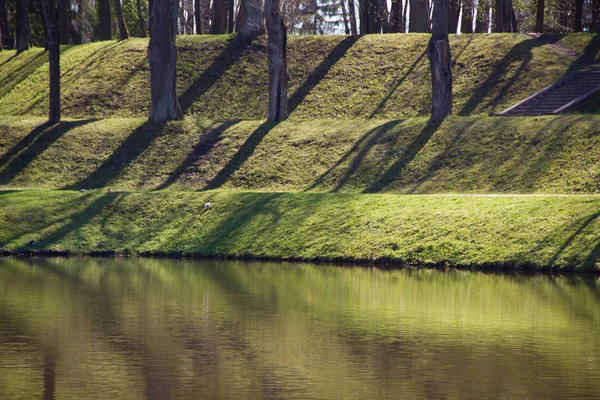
<point>158,329</point>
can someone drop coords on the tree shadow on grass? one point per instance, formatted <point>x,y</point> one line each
<point>360,149</point>
<point>396,85</point>
<point>407,156</point>
<point>241,156</point>
<point>521,53</point>
<point>131,148</point>
<point>319,73</point>
<point>32,145</point>
<point>21,73</point>
<point>79,220</point>
<point>203,147</point>
<point>230,54</point>
<point>589,56</point>
<point>593,256</point>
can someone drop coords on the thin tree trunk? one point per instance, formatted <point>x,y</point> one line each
<point>7,40</point>
<point>63,22</point>
<point>22,22</point>
<point>563,19</point>
<point>466,25</point>
<point>482,24</point>
<point>440,60</point>
<point>123,31</point>
<point>40,6</point>
<point>513,20</point>
<point>419,16</point>
<point>181,17</point>
<point>384,16</point>
<point>277,38</point>
<point>50,14</point>
<point>189,17</point>
<point>539,16</point>
<point>104,28</point>
<point>578,25</point>
<point>404,16</point>
<point>345,17</point>
<point>507,10</point>
<point>352,11</point>
<point>198,17</point>
<point>141,20</point>
<point>162,56</point>
<point>453,15</point>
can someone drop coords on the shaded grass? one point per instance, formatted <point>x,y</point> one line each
<point>554,154</point>
<point>221,78</point>
<point>555,232</point>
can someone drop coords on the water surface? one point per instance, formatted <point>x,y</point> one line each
<point>158,329</point>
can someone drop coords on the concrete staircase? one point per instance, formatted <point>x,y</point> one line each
<point>560,96</point>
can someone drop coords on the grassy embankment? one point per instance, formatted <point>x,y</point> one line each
<point>350,78</point>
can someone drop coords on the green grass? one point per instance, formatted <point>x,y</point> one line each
<point>554,154</point>
<point>558,232</point>
<point>220,78</point>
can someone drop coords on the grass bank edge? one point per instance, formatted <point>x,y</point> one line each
<point>508,232</point>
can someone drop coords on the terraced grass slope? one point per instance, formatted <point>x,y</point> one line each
<point>555,154</point>
<point>557,232</point>
<point>221,78</point>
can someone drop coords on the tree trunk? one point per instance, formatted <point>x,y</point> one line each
<point>345,17</point>
<point>251,21</point>
<point>404,14</point>
<point>507,14</point>
<point>104,28</point>
<point>539,16</point>
<point>352,11</point>
<point>466,25</point>
<point>513,19</point>
<point>189,17</point>
<point>22,22</point>
<point>50,14</point>
<point>419,16</point>
<point>74,36</point>
<point>498,16</point>
<point>162,56</point>
<point>141,20</point>
<point>7,40</point>
<point>63,22</point>
<point>363,15</point>
<point>578,25</point>
<point>277,38</point>
<point>198,17</point>
<point>482,23</point>
<point>396,16</point>
<point>219,17</point>
<point>123,31</point>
<point>384,16</point>
<point>453,15</point>
<point>230,16</point>
<point>440,60</point>
<point>595,16</point>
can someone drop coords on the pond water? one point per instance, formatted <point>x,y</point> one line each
<point>87,328</point>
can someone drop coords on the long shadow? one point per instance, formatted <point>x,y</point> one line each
<point>364,144</point>
<point>135,144</point>
<point>409,154</point>
<point>319,73</point>
<point>78,220</point>
<point>240,157</point>
<point>592,258</point>
<point>205,144</point>
<point>590,53</point>
<point>595,252</point>
<point>229,56</point>
<point>13,79</point>
<point>396,85</point>
<point>441,157</point>
<point>31,146</point>
<point>521,53</point>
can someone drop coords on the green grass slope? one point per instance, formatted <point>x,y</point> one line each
<point>558,232</point>
<point>554,154</point>
<point>221,78</point>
